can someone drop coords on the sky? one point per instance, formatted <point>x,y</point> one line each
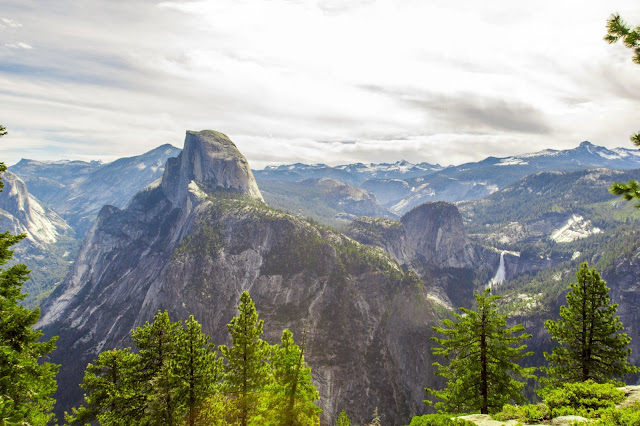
<point>314,81</point>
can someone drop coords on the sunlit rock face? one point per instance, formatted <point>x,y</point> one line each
<point>429,240</point>
<point>214,163</point>
<point>23,213</point>
<point>192,242</point>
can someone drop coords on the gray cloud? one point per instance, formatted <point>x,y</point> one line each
<point>469,112</point>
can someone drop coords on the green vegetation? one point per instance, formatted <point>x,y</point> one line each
<point>617,29</point>
<point>530,413</point>
<point>582,398</point>
<point>176,378</point>
<point>246,371</point>
<point>291,392</point>
<point>26,381</point>
<point>343,419</point>
<point>164,383</point>
<point>627,416</point>
<point>587,399</point>
<point>438,420</point>
<point>591,344</point>
<point>538,195</point>
<point>483,353</point>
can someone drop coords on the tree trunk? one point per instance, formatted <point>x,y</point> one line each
<point>484,386</point>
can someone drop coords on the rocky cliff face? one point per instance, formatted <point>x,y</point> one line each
<point>192,242</point>
<point>431,241</point>
<point>23,213</point>
<point>50,242</point>
<point>213,163</point>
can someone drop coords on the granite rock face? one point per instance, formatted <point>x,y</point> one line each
<point>430,240</point>
<point>25,214</point>
<point>192,242</point>
<point>50,243</point>
<point>214,163</point>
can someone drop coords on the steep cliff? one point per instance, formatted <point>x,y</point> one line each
<point>49,244</point>
<point>192,242</point>
<point>430,240</point>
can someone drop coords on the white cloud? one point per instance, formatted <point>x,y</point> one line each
<point>19,45</point>
<point>291,81</point>
<point>5,22</point>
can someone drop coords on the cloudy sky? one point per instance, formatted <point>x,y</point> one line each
<point>330,81</point>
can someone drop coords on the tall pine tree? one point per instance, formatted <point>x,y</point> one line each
<point>246,369</point>
<point>196,367</point>
<point>483,354</point>
<point>343,419</point>
<point>591,344</point>
<point>158,342</point>
<point>26,382</point>
<point>290,396</point>
<point>175,371</point>
<point>112,392</point>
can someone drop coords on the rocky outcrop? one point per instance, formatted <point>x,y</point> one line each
<point>432,233</point>
<point>50,242</point>
<point>194,241</point>
<point>23,213</point>
<point>213,163</point>
<point>436,233</point>
<point>429,240</point>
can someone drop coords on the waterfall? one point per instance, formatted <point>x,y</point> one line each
<point>500,273</point>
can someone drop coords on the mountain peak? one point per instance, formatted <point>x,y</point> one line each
<point>213,163</point>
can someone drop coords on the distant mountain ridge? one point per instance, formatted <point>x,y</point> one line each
<point>354,174</point>
<point>402,186</point>
<point>77,190</point>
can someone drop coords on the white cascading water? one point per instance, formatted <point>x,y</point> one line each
<point>500,273</point>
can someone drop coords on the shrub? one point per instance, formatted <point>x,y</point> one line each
<point>586,399</point>
<point>439,420</point>
<point>524,413</point>
<point>628,416</point>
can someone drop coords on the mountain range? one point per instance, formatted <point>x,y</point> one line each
<point>402,185</point>
<point>193,241</point>
<point>199,227</point>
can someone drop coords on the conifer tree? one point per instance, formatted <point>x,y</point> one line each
<point>343,419</point>
<point>246,370</point>
<point>175,370</point>
<point>26,383</point>
<point>591,344</point>
<point>618,30</point>
<point>483,353</point>
<point>196,367</point>
<point>157,342</point>
<point>112,395</point>
<point>291,394</point>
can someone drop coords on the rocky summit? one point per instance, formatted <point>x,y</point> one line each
<point>211,163</point>
<point>194,240</point>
